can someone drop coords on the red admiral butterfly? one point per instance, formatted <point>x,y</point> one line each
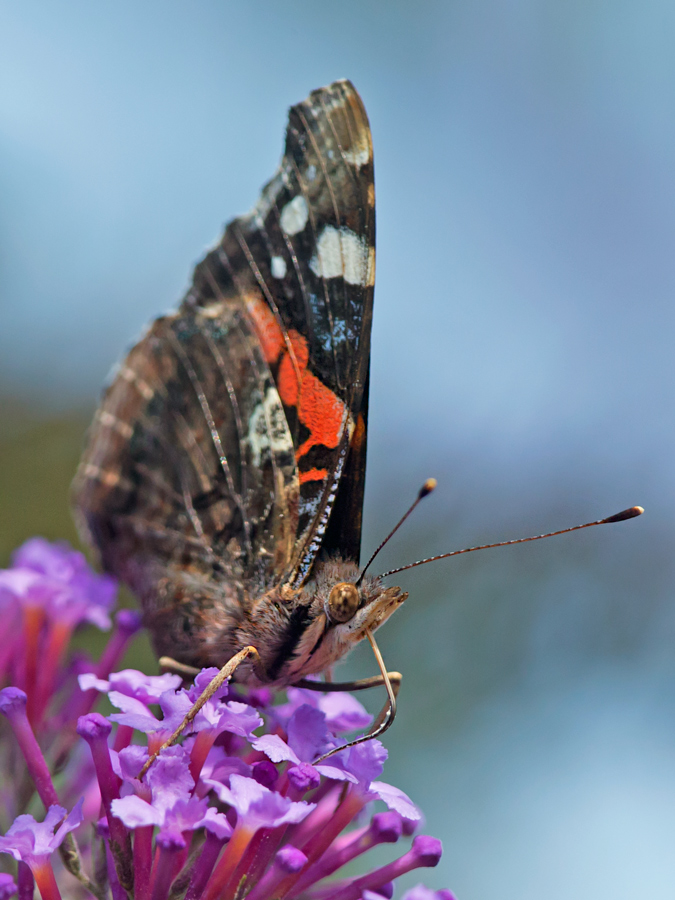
<point>224,473</point>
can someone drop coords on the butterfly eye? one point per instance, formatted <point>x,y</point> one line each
<point>343,601</point>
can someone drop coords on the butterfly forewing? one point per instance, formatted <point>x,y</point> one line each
<point>219,446</point>
<point>302,263</point>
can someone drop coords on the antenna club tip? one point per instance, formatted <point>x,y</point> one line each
<point>428,486</point>
<point>624,514</point>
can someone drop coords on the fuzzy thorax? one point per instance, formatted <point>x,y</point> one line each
<point>292,630</point>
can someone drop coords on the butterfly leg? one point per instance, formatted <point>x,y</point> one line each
<point>168,664</point>
<point>388,712</point>
<point>215,684</point>
<point>328,687</point>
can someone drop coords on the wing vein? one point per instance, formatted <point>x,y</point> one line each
<point>215,436</point>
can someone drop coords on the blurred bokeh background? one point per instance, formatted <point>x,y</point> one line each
<point>522,354</point>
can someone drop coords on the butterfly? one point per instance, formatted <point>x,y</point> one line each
<point>223,475</point>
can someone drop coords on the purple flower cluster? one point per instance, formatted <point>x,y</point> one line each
<point>237,809</point>
<point>48,592</point>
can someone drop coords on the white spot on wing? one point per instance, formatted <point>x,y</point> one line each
<point>212,310</point>
<point>278,267</point>
<point>339,251</point>
<point>370,273</point>
<point>359,153</point>
<point>294,215</point>
<point>268,429</point>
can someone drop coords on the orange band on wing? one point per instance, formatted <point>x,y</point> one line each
<point>292,369</point>
<point>319,409</point>
<point>313,475</point>
<point>267,328</point>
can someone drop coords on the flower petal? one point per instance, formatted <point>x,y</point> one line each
<point>136,812</point>
<point>396,799</point>
<point>275,748</point>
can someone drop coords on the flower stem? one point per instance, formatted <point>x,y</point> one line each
<point>204,866</point>
<point>57,643</point>
<point>25,882</point>
<point>313,848</point>
<point>95,730</point>
<point>200,750</point>
<point>384,828</point>
<point>33,619</point>
<point>424,852</point>
<point>164,871</point>
<point>13,704</point>
<point>142,861</point>
<point>44,878</point>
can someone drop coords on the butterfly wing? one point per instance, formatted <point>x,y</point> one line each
<point>220,445</point>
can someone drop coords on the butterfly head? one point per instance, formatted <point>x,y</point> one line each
<point>338,614</point>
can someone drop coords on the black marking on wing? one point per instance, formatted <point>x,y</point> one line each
<point>343,534</point>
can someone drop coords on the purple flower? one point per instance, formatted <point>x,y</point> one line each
<point>27,586</point>
<point>62,577</point>
<point>215,716</point>
<point>169,779</point>
<point>172,806</point>
<point>220,767</point>
<point>365,763</point>
<point>343,711</point>
<point>232,716</point>
<point>203,680</point>
<point>7,886</point>
<point>385,891</point>
<point>146,689</point>
<point>288,861</point>
<point>308,738</point>
<point>128,762</point>
<point>384,828</point>
<point>49,591</point>
<point>267,835</point>
<point>424,853</point>
<point>257,806</point>
<point>135,713</point>
<point>395,799</point>
<point>34,842</point>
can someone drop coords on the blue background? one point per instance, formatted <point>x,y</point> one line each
<point>522,354</point>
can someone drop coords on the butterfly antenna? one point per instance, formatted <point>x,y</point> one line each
<point>424,491</point>
<point>619,517</point>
